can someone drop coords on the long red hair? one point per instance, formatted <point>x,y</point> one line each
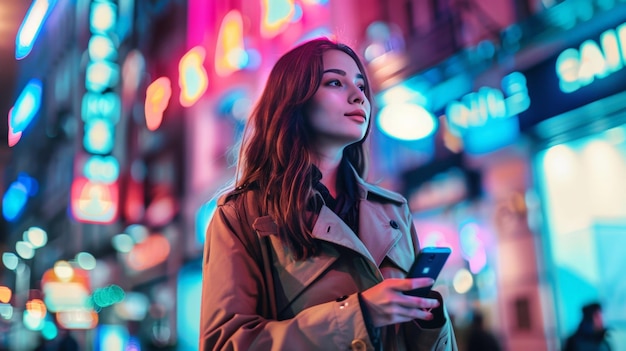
<point>276,151</point>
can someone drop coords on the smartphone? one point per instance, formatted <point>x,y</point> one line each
<point>428,264</point>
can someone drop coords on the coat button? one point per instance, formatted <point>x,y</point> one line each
<point>339,299</point>
<point>358,345</point>
<point>393,224</point>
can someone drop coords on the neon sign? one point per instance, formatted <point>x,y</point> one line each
<point>594,59</point>
<point>487,119</point>
<point>94,197</point>
<point>477,108</point>
<point>93,201</point>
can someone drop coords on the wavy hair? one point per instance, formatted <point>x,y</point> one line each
<point>276,149</point>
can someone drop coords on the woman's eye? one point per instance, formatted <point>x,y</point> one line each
<point>334,83</point>
<point>362,87</point>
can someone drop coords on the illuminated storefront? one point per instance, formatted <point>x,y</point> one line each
<point>578,122</point>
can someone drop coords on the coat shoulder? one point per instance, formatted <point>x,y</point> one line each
<point>239,195</point>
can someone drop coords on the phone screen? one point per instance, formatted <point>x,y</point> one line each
<point>428,264</point>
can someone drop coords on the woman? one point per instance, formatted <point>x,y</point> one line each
<point>304,254</point>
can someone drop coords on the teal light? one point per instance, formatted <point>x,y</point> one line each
<point>189,287</point>
<point>515,88</point>
<point>31,26</point>
<point>405,92</point>
<point>101,47</point>
<point>406,121</point>
<point>98,138</point>
<point>103,16</point>
<point>203,217</point>
<point>278,10</point>
<point>593,60</point>
<point>10,260</point>
<point>610,45</point>
<point>32,322</point>
<point>26,106</point>
<point>101,106</point>
<point>50,330</point>
<point>105,169</point>
<point>493,135</point>
<point>101,75</point>
<point>108,296</point>
<point>487,120</point>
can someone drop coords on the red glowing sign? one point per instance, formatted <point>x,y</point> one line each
<point>94,202</point>
<point>148,253</point>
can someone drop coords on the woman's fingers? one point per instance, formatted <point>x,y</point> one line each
<point>388,304</point>
<point>407,284</point>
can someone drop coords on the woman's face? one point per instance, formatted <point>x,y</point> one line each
<point>339,113</point>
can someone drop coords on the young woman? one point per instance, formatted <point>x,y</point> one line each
<point>303,254</point>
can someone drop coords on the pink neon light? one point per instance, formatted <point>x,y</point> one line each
<point>13,138</point>
<point>198,21</point>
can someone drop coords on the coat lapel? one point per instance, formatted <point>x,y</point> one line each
<point>329,227</point>
<point>381,226</point>
<point>376,232</point>
<point>294,275</point>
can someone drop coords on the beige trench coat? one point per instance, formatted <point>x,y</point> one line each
<point>314,303</point>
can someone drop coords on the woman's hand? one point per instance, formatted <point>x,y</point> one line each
<point>387,303</point>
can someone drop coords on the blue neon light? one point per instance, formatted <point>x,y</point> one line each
<point>26,106</point>
<point>14,201</point>
<point>31,26</point>
<point>203,217</point>
<point>16,196</point>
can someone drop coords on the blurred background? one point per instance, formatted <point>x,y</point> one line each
<point>503,122</point>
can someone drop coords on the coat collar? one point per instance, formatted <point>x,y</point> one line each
<point>366,189</point>
<point>376,237</point>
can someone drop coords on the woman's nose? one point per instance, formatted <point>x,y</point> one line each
<point>358,96</point>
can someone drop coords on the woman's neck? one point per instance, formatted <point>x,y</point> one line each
<point>329,167</point>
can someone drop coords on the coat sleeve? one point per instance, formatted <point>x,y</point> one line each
<point>233,288</point>
<point>436,339</point>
